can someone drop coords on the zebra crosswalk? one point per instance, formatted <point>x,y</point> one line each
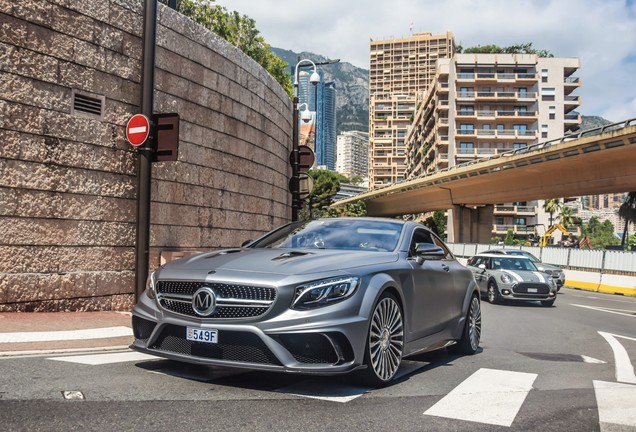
<point>487,396</point>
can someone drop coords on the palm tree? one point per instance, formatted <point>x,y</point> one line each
<point>565,216</point>
<point>552,206</point>
<point>627,211</point>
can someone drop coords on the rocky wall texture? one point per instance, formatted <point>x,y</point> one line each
<point>68,185</point>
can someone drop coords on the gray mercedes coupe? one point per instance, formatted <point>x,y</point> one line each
<point>327,296</point>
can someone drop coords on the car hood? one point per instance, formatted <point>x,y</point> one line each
<point>526,276</point>
<point>279,261</point>
<point>548,267</point>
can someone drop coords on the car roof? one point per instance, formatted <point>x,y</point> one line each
<point>494,255</point>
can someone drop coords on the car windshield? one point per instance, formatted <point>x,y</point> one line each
<point>513,264</point>
<point>525,254</point>
<point>334,234</point>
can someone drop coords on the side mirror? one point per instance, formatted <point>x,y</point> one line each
<point>482,266</point>
<point>429,251</point>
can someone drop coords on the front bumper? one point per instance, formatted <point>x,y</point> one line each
<point>322,341</point>
<point>527,291</point>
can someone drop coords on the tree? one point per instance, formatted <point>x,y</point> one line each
<point>552,206</point>
<point>627,211</point>
<point>510,237</point>
<point>326,185</point>
<point>357,208</point>
<point>240,31</point>
<point>525,48</point>
<point>601,234</point>
<point>565,216</point>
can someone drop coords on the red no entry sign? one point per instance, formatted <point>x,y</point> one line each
<point>137,129</point>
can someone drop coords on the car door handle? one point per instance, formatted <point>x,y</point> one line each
<point>445,267</point>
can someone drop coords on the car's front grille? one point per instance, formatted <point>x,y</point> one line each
<point>529,288</point>
<point>237,346</point>
<point>232,301</point>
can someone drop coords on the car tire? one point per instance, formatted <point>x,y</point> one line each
<point>547,303</point>
<point>493,293</point>
<point>385,342</point>
<point>469,343</point>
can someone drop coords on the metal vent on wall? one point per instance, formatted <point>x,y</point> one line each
<point>84,104</point>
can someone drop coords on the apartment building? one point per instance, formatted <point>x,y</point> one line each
<point>400,70</point>
<point>483,105</point>
<point>352,154</point>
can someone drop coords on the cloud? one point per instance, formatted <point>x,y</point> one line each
<point>599,32</point>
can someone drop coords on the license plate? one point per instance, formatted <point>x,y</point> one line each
<point>532,290</point>
<point>202,335</point>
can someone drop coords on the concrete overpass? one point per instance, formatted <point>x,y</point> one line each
<point>595,161</point>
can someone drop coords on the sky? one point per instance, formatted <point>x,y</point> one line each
<point>601,33</point>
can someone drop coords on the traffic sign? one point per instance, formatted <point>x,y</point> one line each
<point>305,185</point>
<point>137,129</point>
<point>306,157</point>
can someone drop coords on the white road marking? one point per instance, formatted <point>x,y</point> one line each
<point>488,396</point>
<point>65,335</point>
<point>337,392</point>
<point>587,359</point>
<point>324,390</point>
<point>101,359</point>
<point>624,368</point>
<point>629,313</point>
<point>616,405</point>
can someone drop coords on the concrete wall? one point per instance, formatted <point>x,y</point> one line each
<point>68,184</point>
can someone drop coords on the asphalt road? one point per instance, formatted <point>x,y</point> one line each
<point>565,368</point>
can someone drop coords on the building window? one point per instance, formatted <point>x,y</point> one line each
<point>466,148</point>
<point>519,221</point>
<point>523,92</point>
<point>517,146</point>
<point>466,129</point>
<point>467,110</point>
<point>465,91</point>
<point>552,112</point>
<point>548,93</point>
<point>544,75</point>
<point>499,220</point>
<point>544,131</point>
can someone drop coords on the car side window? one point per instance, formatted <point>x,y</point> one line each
<point>419,236</point>
<point>447,253</point>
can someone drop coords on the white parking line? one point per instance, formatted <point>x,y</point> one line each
<point>616,404</point>
<point>101,359</point>
<point>65,335</point>
<point>488,396</point>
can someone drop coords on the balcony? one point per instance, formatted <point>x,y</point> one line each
<point>515,211</point>
<point>571,83</point>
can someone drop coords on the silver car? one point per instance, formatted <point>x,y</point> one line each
<point>556,272</point>
<point>510,277</point>
<point>328,296</point>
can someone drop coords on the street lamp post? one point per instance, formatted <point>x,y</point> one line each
<point>295,180</point>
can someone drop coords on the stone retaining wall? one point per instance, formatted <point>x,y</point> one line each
<point>68,185</point>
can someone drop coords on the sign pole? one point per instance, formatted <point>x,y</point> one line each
<point>144,166</point>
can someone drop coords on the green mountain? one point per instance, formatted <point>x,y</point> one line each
<point>352,88</point>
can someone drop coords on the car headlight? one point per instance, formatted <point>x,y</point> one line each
<point>324,292</point>
<point>150,285</point>
<point>506,278</point>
